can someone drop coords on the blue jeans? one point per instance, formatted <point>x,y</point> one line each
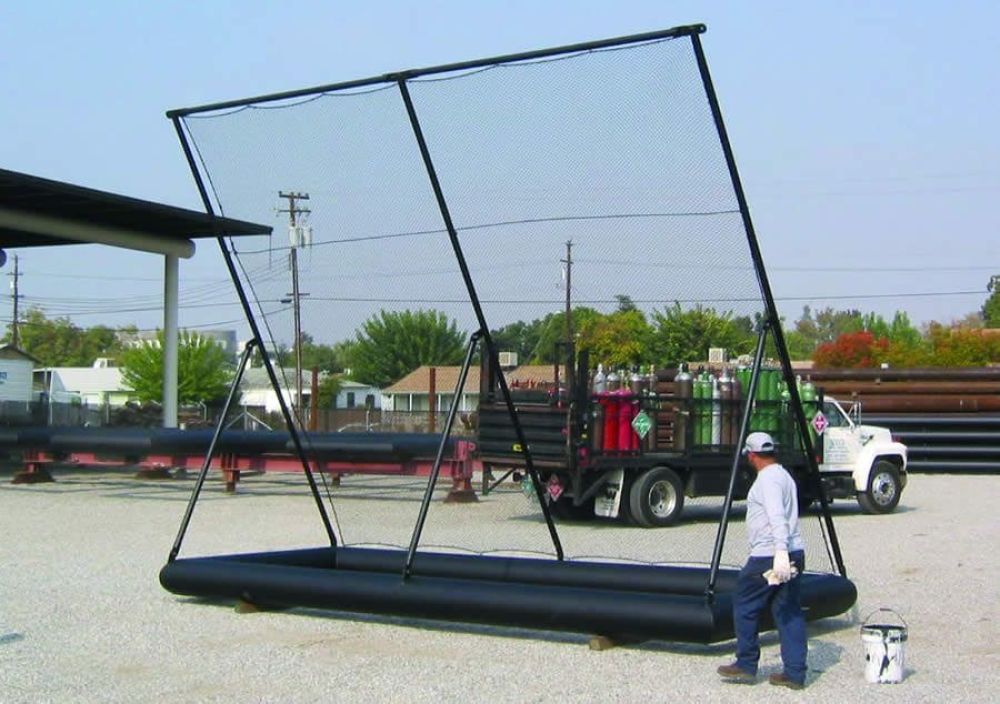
<point>753,595</point>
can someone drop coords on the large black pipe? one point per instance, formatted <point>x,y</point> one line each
<point>290,579</point>
<point>924,374</point>
<point>146,441</point>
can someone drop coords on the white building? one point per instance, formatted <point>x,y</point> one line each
<point>16,368</point>
<point>96,386</point>
<point>355,395</point>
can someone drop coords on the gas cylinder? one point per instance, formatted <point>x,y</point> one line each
<point>774,400</point>
<point>785,421</point>
<point>683,389</point>
<point>614,381</point>
<point>706,407</point>
<point>626,436</point>
<point>600,381</point>
<point>716,437</point>
<point>810,405</point>
<point>652,405</point>
<point>737,407</point>
<point>636,382</point>
<point>597,421</point>
<point>726,395</point>
<point>698,408</point>
<point>610,401</point>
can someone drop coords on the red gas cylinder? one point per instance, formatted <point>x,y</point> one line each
<point>626,435</point>
<point>609,400</point>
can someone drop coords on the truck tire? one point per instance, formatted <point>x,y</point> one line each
<point>884,488</point>
<point>656,498</point>
<point>564,510</point>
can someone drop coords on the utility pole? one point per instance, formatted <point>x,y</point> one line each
<point>570,347</point>
<point>15,335</point>
<point>293,212</point>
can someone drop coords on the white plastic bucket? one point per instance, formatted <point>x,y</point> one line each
<point>885,649</point>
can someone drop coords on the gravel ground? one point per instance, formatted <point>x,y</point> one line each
<point>83,618</point>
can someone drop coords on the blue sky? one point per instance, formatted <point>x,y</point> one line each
<point>866,134</point>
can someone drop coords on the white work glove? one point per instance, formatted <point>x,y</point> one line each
<point>782,567</point>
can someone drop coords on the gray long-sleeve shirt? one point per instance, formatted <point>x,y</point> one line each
<point>773,513</point>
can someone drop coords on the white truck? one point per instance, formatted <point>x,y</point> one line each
<point>648,483</point>
<point>862,461</point>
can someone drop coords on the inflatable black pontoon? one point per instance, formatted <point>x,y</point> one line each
<point>640,601</point>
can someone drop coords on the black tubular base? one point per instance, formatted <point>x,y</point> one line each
<point>636,601</point>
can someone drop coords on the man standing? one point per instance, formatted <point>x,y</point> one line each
<point>777,556</point>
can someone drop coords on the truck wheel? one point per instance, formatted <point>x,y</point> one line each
<point>884,488</point>
<point>656,498</point>
<point>564,510</point>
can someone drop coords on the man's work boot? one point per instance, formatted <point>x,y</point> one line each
<point>780,679</point>
<point>735,673</point>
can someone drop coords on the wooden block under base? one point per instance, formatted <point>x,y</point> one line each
<point>609,642</point>
<point>461,496</point>
<point>154,473</point>
<point>36,476</point>
<point>248,607</point>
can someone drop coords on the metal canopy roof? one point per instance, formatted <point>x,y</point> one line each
<point>38,212</point>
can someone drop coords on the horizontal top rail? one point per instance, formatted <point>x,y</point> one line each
<point>395,77</point>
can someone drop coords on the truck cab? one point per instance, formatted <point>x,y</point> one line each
<point>859,461</point>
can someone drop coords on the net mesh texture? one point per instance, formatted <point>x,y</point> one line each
<point>614,150</point>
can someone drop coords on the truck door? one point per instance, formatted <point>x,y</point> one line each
<point>841,443</point>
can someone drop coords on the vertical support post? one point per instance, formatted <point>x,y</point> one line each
<point>772,310</point>
<point>727,505</point>
<point>300,410</point>
<point>436,469</point>
<point>258,339</point>
<point>432,399</point>
<point>170,339</point>
<point>480,317</point>
<point>314,400</point>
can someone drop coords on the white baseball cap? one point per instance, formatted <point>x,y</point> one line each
<point>759,442</point>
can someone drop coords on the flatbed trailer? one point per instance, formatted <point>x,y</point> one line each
<point>647,483</point>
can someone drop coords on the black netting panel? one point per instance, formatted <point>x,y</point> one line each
<point>613,150</point>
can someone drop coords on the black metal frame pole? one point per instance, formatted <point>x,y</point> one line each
<point>255,330</point>
<point>671,33</point>
<point>480,317</point>
<point>765,287</point>
<point>244,359</point>
<point>436,469</point>
<point>751,393</point>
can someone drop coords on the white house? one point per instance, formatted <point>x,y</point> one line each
<point>96,386</point>
<point>16,368</point>
<point>256,390</point>
<point>412,392</point>
<point>355,395</point>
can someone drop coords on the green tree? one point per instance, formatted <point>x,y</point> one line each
<point>392,344</point>
<point>204,372</point>
<point>967,347</point>
<point>326,358</point>
<point>618,340</point>
<point>552,334</point>
<point>519,337</point>
<point>686,335</point>
<point>59,343</point>
<point>991,308</point>
<point>329,387</point>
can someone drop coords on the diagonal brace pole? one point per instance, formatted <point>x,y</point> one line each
<point>210,453</point>
<point>436,470</point>
<point>720,536</point>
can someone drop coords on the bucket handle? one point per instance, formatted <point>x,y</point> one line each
<point>887,610</point>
